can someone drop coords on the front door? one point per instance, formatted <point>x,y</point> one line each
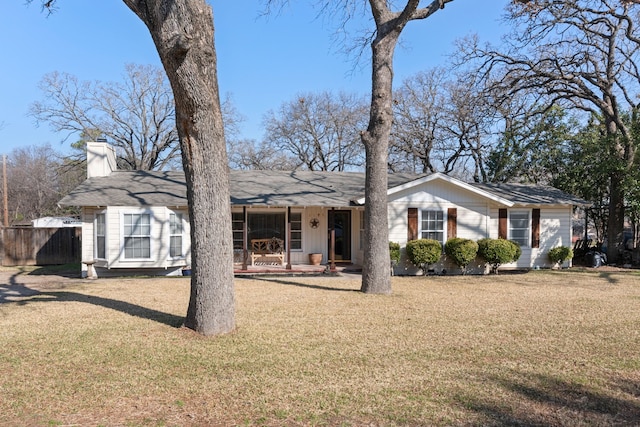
<point>341,222</point>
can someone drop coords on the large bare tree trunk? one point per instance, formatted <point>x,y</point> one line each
<point>389,25</point>
<point>376,274</point>
<point>623,154</point>
<point>183,33</point>
<point>615,222</point>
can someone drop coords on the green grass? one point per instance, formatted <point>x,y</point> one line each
<point>543,348</point>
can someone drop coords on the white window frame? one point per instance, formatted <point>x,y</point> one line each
<point>123,236</point>
<point>444,224</point>
<point>181,234</point>
<point>237,227</point>
<point>301,230</point>
<point>96,235</point>
<point>510,228</point>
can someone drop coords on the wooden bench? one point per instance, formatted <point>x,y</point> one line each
<point>267,249</point>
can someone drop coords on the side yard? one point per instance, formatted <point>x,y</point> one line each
<point>537,348</point>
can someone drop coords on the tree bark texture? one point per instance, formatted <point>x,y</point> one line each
<point>376,274</point>
<point>615,222</point>
<point>183,33</point>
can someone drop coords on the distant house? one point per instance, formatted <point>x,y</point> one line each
<point>134,220</point>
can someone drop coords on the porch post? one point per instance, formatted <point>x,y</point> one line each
<point>332,244</point>
<point>288,243</point>
<point>244,238</point>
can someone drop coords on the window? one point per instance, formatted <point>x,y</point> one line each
<point>175,235</point>
<point>101,236</point>
<point>519,227</point>
<point>237,225</point>
<point>296,231</point>
<point>137,236</point>
<point>266,225</point>
<point>432,225</point>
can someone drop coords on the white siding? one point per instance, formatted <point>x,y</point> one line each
<point>87,237</point>
<point>101,159</point>
<point>314,240</point>
<point>472,210</point>
<point>477,218</point>
<point>555,230</point>
<point>115,239</point>
<point>472,215</point>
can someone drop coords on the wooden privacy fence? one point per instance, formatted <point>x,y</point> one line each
<point>40,246</point>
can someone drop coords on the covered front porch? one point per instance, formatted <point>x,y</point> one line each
<point>270,239</point>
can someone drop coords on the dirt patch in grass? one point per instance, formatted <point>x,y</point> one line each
<point>542,348</point>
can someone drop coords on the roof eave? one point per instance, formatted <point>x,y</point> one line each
<point>446,178</point>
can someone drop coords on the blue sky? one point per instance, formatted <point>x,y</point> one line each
<point>262,61</point>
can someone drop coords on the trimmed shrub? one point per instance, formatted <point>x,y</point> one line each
<point>394,255</point>
<point>560,254</point>
<point>424,252</point>
<point>394,252</point>
<point>498,251</point>
<point>518,253</point>
<point>461,251</point>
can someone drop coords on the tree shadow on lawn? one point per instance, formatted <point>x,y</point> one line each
<point>610,277</point>
<point>544,400</point>
<point>302,285</point>
<point>23,295</point>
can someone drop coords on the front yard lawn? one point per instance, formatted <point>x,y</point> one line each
<point>541,348</point>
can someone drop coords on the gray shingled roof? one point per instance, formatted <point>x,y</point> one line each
<point>269,188</point>
<point>265,188</point>
<point>531,194</point>
<point>131,188</point>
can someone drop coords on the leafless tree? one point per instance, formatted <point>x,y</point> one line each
<point>582,54</point>
<point>390,20</point>
<point>183,33</point>
<point>418,108</point>
<point>468,132</point>
<point>136,115</point>
<point>389,24</point>
<point>322,131</point>
<point>36,181</point>
<point>249,155</point>
<point>441,124</point>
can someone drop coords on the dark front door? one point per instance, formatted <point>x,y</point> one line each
<point>341,222</point>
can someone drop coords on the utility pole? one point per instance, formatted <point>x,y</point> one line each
<point>4,190</point>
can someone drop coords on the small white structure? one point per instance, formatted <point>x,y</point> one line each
<point>56,222</point>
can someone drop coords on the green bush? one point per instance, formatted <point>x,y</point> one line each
<point>498,251</point>
<point>424,252</point>
<point>518,251</point>
<point>560,254</point>
<point>394,252</point>
<point>461,251</point>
